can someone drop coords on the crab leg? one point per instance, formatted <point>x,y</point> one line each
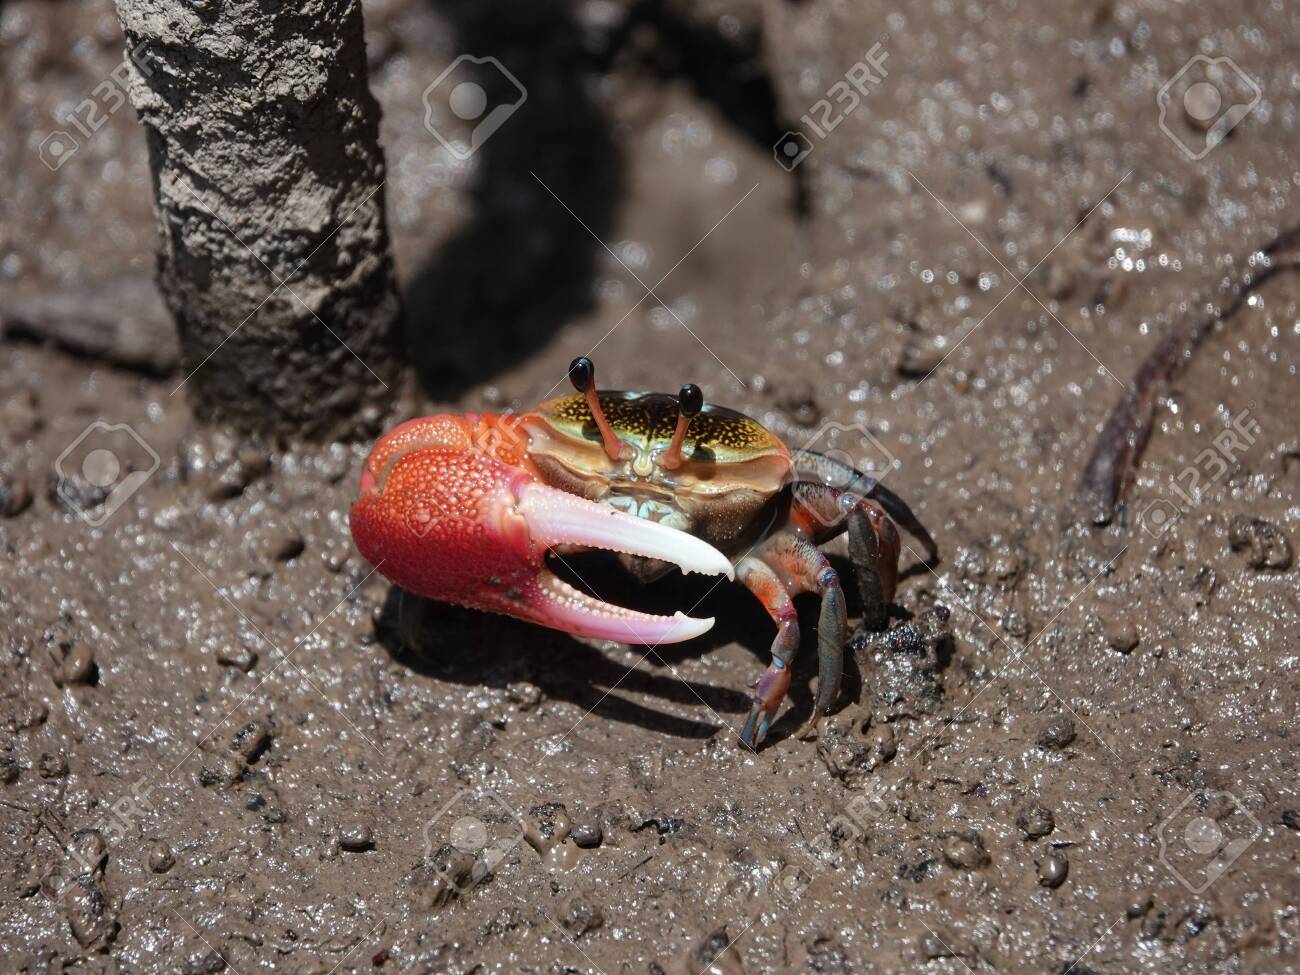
<point>444,518</point>
<point>784,566</point>
<point>759,578</point>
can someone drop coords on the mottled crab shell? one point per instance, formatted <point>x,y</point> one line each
<point>732,465</point>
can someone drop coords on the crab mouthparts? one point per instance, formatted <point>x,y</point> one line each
<point>556,520</point>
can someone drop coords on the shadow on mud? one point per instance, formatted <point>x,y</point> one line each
<point>523,266</point>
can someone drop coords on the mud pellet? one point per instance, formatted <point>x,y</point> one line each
<point>1035,820</point>
<point>88,850</point>
<point>580,914</point>
<point>1122,636</point>
<point>15,496</point>
<point>283,543</point>
<point>965,852</point>
<point>251,740</point>
<point>79,665</point>
<point>241,658</point>
<point>587,835</point>
<point>933,948</point>
<point>90,915</point>
<point>548,824</point>
<point>9,769</point>
<point>919,359</point>
<point>161,858</point>
<point>1291,819</point>
<point>524,694</point>
<point>52,765</point>
<point>1139,905</point>
<point>31,716</point>
<point>1265,545</point>
<point>1053,870</point>
<point>356,837</point>
<point>1057,733</point>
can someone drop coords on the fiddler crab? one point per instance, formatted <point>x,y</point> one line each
<point>466,508</point>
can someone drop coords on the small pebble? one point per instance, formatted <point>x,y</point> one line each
<point>587,835</point>
<point>9,769</point>
<point>356,837</point>
<point>79,665</point>
<point>1057,733</point>
<point>161,858</point>
<point>1053,869</point>
<point>1122,636</point>
<point>240,657</point>
<point>1035,820</point>
<point>15,496</point>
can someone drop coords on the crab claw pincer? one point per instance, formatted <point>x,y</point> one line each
<point>444,518</point>
<point>768,695</point>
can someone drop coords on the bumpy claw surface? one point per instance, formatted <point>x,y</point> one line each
<point>444,518</point>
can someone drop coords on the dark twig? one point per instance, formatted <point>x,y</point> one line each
<point>1112,468</point>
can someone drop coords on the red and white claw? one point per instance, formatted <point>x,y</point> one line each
<point>445,520</point>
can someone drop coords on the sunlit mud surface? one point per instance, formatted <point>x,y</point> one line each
<point>1074,751</point>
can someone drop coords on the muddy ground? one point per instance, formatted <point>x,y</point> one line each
<point>219,749</point>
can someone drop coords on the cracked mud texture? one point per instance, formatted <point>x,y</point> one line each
<point>222,745</point>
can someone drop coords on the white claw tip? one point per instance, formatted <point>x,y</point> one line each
<point>685,627</point>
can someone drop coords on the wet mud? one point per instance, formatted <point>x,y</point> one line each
<point>226,745</point>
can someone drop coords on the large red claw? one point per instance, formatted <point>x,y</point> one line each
<point>443,518</point>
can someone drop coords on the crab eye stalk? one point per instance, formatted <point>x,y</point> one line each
<point>689,402</point>
<point>582,373</point>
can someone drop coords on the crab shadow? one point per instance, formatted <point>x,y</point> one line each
<point>477,649</point>
<point>550,181</point>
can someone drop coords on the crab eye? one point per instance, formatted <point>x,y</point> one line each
<point>690,400</point>
<point>582,373</point>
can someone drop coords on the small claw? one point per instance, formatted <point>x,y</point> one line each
<point>772,688</point>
